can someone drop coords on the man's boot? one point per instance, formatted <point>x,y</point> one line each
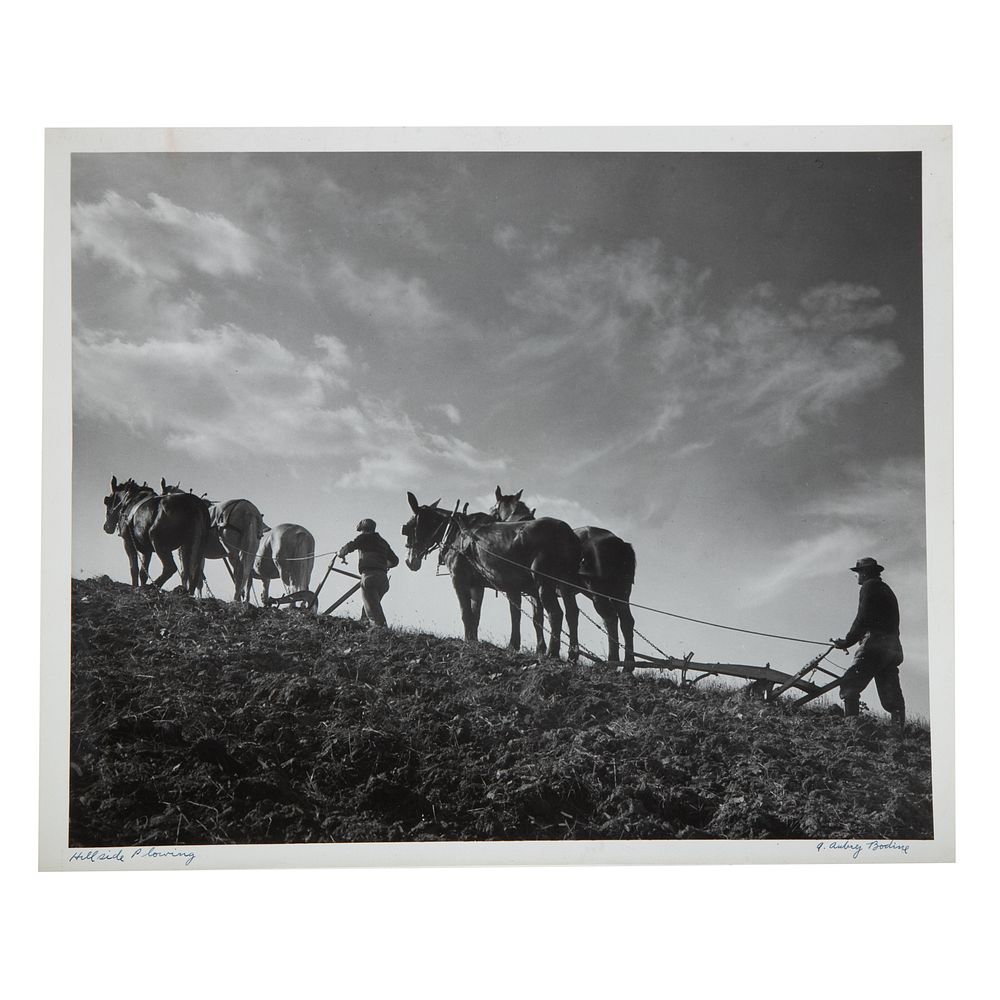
<point>852,705</point>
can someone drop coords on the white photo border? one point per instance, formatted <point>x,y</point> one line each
<point>935,145</point>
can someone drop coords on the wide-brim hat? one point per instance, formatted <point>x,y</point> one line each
<point>867,563</point>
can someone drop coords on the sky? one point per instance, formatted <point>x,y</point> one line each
<point>717,356</point>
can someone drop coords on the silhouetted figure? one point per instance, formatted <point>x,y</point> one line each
<point>879,653</point>
<point>375,559</point>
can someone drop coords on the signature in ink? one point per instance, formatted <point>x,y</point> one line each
<point>858,847</point>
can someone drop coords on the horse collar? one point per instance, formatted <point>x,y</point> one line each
<point>129,512</point>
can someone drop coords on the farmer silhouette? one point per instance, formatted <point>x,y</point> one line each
<point>375,559</point>
<point>879,654</point>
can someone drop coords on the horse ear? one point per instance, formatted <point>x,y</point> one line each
<point>414,506</point>
<point>163,485</point>
<point>114,483</point>
<point>517,495</point>
<point>499,494</point>
<point>533,511</point>
<point>436,502</point>
<point>465,507</point>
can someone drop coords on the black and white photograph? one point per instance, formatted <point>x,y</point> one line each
<point>467,497</point>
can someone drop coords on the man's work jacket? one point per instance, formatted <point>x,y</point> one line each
<point>878,612</point>
<point>374,553</point>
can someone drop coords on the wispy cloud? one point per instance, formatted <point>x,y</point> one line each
<point>769,368</point>
<point>804,560</point>
<point>876,511</point>
<point>400,219</point>
<point>506,236</point>
<point>392,303</point>
<point>450,411</point>
<point>691,448</point>
<point>161,240</point>
<point>225,392</point>
<point>562,508</point>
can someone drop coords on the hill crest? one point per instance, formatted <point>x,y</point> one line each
<point>206,722</point>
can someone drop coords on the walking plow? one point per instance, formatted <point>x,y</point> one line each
<point>309,599</point>
<point>766,681</point>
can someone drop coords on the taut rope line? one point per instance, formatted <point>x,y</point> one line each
<point>644,607</point>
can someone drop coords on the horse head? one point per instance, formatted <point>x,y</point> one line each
<point>510,507</point>
<point>424,530</point>
<point>116,501</point>
<point>166,488</point>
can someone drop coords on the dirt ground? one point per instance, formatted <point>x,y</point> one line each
<point>203,722</point>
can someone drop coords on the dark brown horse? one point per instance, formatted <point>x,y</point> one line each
<point>148,523</point>
<point>539,558</point>
<point>607,572</point>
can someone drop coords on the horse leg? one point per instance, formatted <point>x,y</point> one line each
<point>169,566</point>
<point>265,582</point>
<point>133,562</point>
<point>144,574</point>
<point>572,622</point>
<point>514,599</point>
<point>628,628</point>
<point>244,577</point>
<point>551,604</point>
<point>236,558</point>
<point>166,558</point>
<point>198,582</point>
<point>192,568</point>
<point>476,605</point>
<point>609,616</point>
<point>538,620</point>
<point>470,619</point>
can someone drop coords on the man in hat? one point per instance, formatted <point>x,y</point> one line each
<point>879,654</point>
<point>375,559</point>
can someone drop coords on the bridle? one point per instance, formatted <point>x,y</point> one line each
<point>437,539</point>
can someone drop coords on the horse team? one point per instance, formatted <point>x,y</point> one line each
<point>198,529</point>
<point>508,550</point>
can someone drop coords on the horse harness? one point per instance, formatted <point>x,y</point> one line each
<point>128,513</point>
<point>223,522</point>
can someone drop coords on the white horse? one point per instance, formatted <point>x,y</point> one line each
<point>286,551</point>
<point>237,526</point>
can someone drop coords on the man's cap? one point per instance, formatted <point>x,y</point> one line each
<point>365,524</point>
<point>867,563</point>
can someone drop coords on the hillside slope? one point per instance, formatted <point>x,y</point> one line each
<point>202,722</point>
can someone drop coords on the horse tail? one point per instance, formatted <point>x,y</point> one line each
<point>628,564</point>
<point>590,561</point>
<point>306,565</point>
<point>609,558</point>
<point>196,550</point>
<point>250,545</point>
